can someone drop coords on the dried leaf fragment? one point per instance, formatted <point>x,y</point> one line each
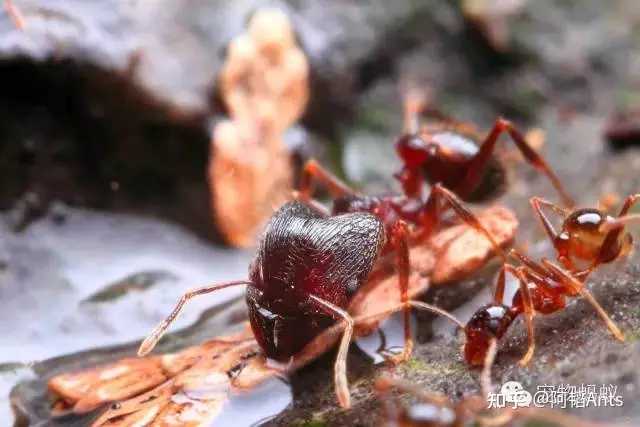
<point>264,84</point>
<point>190,387</point>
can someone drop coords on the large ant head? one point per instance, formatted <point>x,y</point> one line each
<point>487,324</point>
<point>583,238</point>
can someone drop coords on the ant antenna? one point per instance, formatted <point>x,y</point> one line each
<point>15,14</point>
<point>150,342</point>
<point>414,104</point>
<point>619,222</point>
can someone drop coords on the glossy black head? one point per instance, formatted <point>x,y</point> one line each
<point>303,253</point>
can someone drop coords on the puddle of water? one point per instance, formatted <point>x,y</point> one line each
<point>256,406</point>
<point>388,339</point>
<point>10,375</point>
<point>51,269</point>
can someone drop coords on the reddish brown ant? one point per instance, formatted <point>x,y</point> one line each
<point>310,265</point>
<point>452,154</point>
<point>588,238</point>
<point>437,410</point>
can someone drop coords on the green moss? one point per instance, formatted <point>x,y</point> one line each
<point>416,366</point>
<point>632,335</point>
<point>313,422</point>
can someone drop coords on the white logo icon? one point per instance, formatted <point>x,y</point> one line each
<point>515,394</point>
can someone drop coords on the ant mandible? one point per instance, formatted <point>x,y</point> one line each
<point>437,410</point>
<point>451,153</point>
<point>588,238</point>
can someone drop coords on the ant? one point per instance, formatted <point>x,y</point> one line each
<point>311,263</point>
<point>453,154</point>
<point>437,410</point>
<point>588,238</point>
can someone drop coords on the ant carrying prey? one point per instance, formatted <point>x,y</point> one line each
<point>588,238</point>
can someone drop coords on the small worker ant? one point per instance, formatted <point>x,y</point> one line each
<point>437,410</point>
<point>588,238</point>
<point>453,154</point>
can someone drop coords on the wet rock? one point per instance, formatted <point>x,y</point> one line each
<point>562,71</point>
<point>60,280</point>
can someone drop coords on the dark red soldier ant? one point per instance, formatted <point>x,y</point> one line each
<point>437,410</point>
<point>588,238</point>
<point>307,269</point>
<point>311,263</point>
<point>452,154</point>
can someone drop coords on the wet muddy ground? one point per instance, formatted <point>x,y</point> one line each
<point>87,266</point>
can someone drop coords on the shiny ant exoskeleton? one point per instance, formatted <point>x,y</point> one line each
<point>311,263</point>
<point>453,154</point>
<point>309,266</point>
<point>437,410</point>
<point>587,239</point>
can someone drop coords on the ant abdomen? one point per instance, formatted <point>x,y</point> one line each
<point>488,323</point>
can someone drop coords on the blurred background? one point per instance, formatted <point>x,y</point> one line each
<point>111,204</point>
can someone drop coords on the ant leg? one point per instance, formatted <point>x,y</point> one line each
<point>430,215</point>
<point>400,237</point>
<point>414,105</point>
<point>537,204</point>
<point>569,280</point>
<point>623,218</point>
<point>150,342</point>
<point>340,368</point>
<point>313,171</point>
<point>529,313</point>
<point>619,222</point>
<point>498,296</point>
<point>327,338</point>
<point>485,376</point>
<point>14,13</point>
<point>385,383</point>
<point>482,158</point>
<point>628,204</point>
<point>530,264</point>
<point>614,228</point>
